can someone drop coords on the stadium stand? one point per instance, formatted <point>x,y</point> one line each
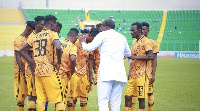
<point>11,25</point>
<point>182,31</point>
<point>10,16</point>
<point>124,19</point>
<point>68,18</point>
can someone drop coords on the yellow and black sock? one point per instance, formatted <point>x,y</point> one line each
<point>127,109</point>
<point>60,106</point>
<point>31,105</point>
<point>83,103</point>
<point>150,102</point>
<point>41,106</point>
<point>133,103</point>
<point>20,106</point>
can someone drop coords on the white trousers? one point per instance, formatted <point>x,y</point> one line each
<point>109,90</point>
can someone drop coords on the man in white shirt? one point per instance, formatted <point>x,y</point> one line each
<point>113,47</point>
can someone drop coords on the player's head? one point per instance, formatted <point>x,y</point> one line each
<point>50,22</point>
<point>73,34</point>
<point>108,24</point>
<point>30,26</point>
<point>39,23</point>
<point>84,31</point>
<point>99,27</point>
<point>145,28</point>
<point>136,29</point>
<point>58,27</point>
<point>93,32</point>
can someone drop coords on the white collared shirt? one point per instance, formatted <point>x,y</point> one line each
<point>113,47</point>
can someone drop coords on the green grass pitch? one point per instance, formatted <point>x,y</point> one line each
<point>177,86</point>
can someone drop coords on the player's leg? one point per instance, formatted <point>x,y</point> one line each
<point>72,95</point>
<point>64,81</point>
<point>22,92</point>
<point>103,91</point>
<point>46,105</point>
<point>129,94</point>
<point>150,101</point>
<point>150,91</point>
<point>82,91</point>
<point>95,78</point>
<point>20,104</point>
<point>41,95</point>
<point>83,103</point>
<point>115,96</point>
<point>141,92</point>
<point>150,98</point>
<point>54,90</point>
<point>133,103</point>
<point>141,104</point>
<point>31,102</point>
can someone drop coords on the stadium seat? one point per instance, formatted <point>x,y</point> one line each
<point>182,26</point>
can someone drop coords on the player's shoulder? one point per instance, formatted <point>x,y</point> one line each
<point>134,40</point>
<point>33,34</point>
<point>19,38</point>
<point>77,43</point>
<point>146,39</point>
<point>67,42</point>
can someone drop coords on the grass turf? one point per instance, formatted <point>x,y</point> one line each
<point>177,86</point>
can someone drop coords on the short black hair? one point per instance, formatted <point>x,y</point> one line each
<point>73,32</point>
<point>49,18</point>
<point>59,25</point>
<point>139,25</point>
<point>39,18</point>
<point>93,32</point>
<point>98,26</point>
<point>145,24</point>
<point>84,31</point>
<point>30,24</point>
<point>110,23</point>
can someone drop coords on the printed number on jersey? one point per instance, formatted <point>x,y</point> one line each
<point>41,49</point>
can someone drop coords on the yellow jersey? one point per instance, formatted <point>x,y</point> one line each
<point>68,49</point>
<point>27,69</point>
<point>96,60</point>
<point>44,51</point>
<point>139,48</point>
<point>81,60</point>
<point>18,43</point>
<point>149,63</point>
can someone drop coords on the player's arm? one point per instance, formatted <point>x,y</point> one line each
<point>73,63</point>
<point>129,74</point>
<point>30,53</point>
<point>97,41</point>
<point>91,63</point>
<point>58,52</point>
<point>25,55</point>
<point>19,62</point>
<point>127,52</point>
<point>28,58</point>
<point>149,56</point>
<point>154,64</point>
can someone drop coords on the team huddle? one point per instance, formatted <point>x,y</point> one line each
<point>50,69</point>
